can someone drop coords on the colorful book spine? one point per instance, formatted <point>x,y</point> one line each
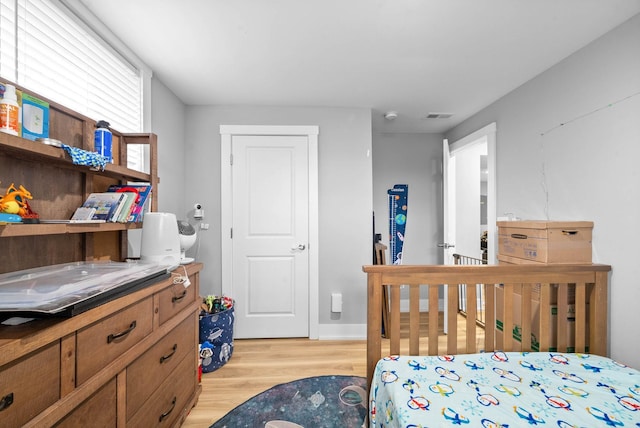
<point>143,193</point>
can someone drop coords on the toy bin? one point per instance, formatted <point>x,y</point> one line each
<point>216,339</point>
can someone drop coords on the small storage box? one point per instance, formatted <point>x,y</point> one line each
<point>216,339</point>
<point>546,241</point>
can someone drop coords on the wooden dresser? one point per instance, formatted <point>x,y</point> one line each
<point>131,362</point>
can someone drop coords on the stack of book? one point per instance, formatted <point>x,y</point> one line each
<point>124,203</point>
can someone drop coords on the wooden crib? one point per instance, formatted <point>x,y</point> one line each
<point>587,285</point>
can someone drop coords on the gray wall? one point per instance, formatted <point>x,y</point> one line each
<point>416,160</point>
<point>584,169</point>
<point>168,122</point>
<point>345,192</point>
<point>568,144</point>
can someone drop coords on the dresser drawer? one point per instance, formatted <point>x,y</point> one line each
<point>29,386</point>
<point>169,401</point>
<point>145,375</point>
<point>97,411</point>
<point>173,299</point>
<point>102,342</point>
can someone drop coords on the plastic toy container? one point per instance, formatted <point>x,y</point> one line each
<point>216,339</point>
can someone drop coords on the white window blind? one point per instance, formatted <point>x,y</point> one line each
<point>7,38</point>
<point>44,49</point>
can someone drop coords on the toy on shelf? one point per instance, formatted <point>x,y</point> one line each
<point>15,201</point>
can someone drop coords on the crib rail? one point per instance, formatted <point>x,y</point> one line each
<point>546,281</point>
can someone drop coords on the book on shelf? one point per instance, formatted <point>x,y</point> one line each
<point>141,203</point>
<point>127,205</point>
<point>84,215</point>
<point>106,205</point>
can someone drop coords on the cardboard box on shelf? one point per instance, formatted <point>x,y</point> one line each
<point>546,241</point>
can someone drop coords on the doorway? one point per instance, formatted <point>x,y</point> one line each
<point>469,181</point>
<point>269,229</point>
<point>469,193</point>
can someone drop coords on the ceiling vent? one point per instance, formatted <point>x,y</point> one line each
<point>439,115</point>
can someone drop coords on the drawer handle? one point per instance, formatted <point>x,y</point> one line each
<point>6,401</point>
<point>115,336</point>
<point>518,236</point>
<point>180,297</point>
<point>166,357</point>
<point>569,232</point>
<point>168,412</point>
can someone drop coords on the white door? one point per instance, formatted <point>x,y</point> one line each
<point>270,236</point>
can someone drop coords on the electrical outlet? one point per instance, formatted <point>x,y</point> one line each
<point>204,226</point>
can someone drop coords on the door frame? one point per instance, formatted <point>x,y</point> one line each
<point>488,132</point>
<point>226,213</point>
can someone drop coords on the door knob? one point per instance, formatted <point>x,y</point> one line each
<point>300,247</point>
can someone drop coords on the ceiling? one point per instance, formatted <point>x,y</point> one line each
<point>414,57</point>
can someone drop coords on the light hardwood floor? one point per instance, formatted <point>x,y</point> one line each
<point>259,364</point>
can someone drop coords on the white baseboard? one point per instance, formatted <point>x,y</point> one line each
<point>343,332</point>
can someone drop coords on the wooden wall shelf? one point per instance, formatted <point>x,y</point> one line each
<point>59,187</point>
<point>59,229</point>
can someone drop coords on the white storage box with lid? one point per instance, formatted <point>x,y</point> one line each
<point>546,241</point>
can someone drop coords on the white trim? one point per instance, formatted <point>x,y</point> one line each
<point>268,130</point>
<point>343,332</point>
<point>488,133</point>
<point>474,137</point>
<point>226,215</point>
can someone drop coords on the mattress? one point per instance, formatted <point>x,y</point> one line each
<point>504,389</point>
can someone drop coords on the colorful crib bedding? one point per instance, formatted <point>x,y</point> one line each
<point>502,389</point>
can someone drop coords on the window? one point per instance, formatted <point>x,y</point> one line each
<point>45,48</point>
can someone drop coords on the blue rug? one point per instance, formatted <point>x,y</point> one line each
<point>315,402</point>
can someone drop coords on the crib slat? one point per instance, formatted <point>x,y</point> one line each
<point>433,319</point>
<point>414,319</point>
<point>525,314</point>
<point>394,324</point>
<point>507,322</point>
<point>545,316</point>
<point>472,311</point>
<point>452,318</point>
<point>598,304</point>
<point>562,310</point>
<point>374,324</point>
<point>489,317</point>
<point>581,317</point>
